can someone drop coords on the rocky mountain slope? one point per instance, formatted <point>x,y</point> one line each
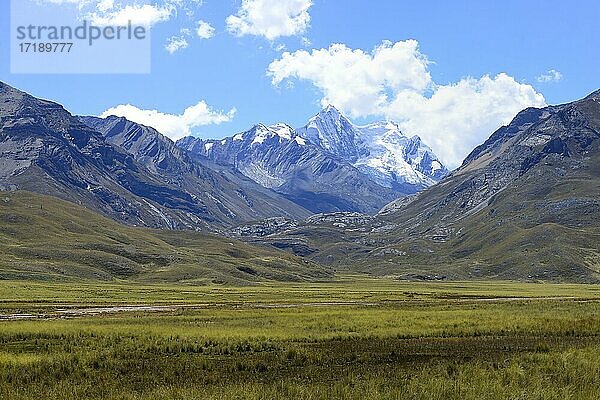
<point>330,164</point>
<point>45,149</point>
<point>279,159</point>
<point>523,205</point>
<point>232,196</point>
<point>526,203</point>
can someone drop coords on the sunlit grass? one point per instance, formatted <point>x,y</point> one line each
<point>364,289</point>
<point>357,338</point>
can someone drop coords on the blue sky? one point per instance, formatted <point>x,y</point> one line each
<point>366,76</point>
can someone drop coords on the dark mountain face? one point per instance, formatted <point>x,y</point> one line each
<point>45,149</point>
<point>143,143</point>
<point>524,205</point>
<point>231,197</point>
<point>330,164</point>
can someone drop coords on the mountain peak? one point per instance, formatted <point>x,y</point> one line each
<point>379,150</point>
<point>113,117</point>
<point>259,127</point>
<point>333,132</point>
<point>280,125</point>
<point>282,130</point>
<point>331,108</point>
<point>330,113</point>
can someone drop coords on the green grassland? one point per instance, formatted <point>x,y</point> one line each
<point>27,295</point>
<point>224,319</point>
<point>353,338</point>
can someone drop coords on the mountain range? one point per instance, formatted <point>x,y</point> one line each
<point>123,170</point>
<point>330,164</point>
<point>524,205</point>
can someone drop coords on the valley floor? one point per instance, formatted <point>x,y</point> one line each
<point>355,338</point>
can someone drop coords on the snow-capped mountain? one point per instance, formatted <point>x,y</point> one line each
<point>262,153</point>
<point>333,132</point>
<point>279,158</point>
<point>394,159</point>
<point>330,164</point>
<point>379,150</point>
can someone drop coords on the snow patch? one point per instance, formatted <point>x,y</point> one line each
<point>282,130</point>
<point>300,141</point>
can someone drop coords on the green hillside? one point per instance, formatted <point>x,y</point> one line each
<point>46,238</point>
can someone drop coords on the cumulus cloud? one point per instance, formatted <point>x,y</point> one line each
<point>394,81</point>
<point>462,115</point>
<point>270,18</point>
<point>175,126</point>
<point>356,81</point>
<point>143,12</point>
<point>551,75</point>
<point>204,30</point>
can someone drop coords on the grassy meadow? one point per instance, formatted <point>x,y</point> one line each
<point>353,338</point>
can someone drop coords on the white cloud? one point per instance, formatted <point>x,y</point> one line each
<point>120,12</point>
<point>180,42</point>
<point>174,126</point>
<point>176,43</point>
<point>270,18</point>
<point>551,75</point>
<point>138,14</point>
<point>460,116</point>
<point>142,12</point>
<point>105,5</point>
<point>393,81</point>
<point>204,30</point>
<point>353,80</point>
